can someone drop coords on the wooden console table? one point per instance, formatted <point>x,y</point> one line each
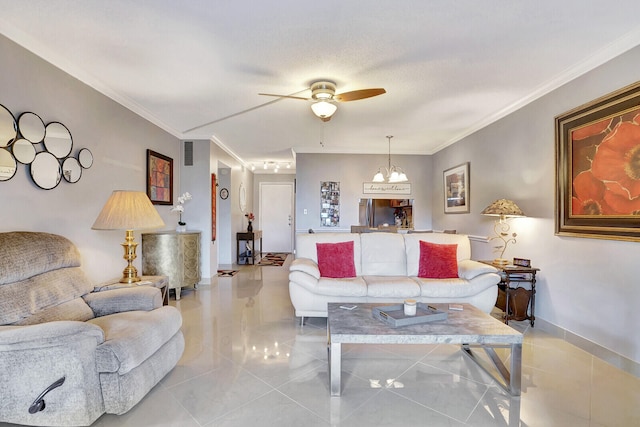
<point>517,302</point>
<point>248,255</point>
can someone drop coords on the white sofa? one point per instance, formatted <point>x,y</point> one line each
<point>386,267</point>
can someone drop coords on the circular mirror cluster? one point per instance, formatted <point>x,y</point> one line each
<point>18,142</point>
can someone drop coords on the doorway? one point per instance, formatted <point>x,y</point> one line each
<point>276,216</point>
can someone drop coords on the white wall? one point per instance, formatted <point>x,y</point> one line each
<point>588,287</point>
<point>352,170</point>
<point>118,139</point>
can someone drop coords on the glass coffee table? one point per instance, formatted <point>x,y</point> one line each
<point>470,327</point>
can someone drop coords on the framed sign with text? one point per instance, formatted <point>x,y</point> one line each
<point>385,188</point>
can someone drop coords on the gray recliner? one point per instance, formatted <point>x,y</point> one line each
<point>68,354</point>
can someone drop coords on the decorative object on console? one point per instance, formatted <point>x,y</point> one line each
<point>456,189</point>
<point>503,209</point>
<point>597,168</point>
<point>250,219</point>
<point>159,178</point>
<point>182,226</point>
<point>394,174</point>
<point>128,210</point>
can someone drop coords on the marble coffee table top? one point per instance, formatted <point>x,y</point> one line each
<point>470,325</point>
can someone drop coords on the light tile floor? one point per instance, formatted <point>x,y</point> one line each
<point>249,362</point>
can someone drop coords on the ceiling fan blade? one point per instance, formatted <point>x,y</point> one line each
<point>355,95</point>
<point>284,96</point>
<point>230,116</point>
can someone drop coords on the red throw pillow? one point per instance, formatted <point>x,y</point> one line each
<point>438,261</point>
<point>335,260</point>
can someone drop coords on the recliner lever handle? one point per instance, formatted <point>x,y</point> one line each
<point>38,404</point>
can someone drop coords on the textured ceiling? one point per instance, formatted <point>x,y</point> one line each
<point>449,67</point>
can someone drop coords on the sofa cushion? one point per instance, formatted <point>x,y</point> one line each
<point>412,246</point>
<point>306,245</point>
<point>335,260</point>
<point>391,287</point>
<point>26,254</point>
<point>40,294</point>
<point>454,288</point>
<point>438,261</point>
<point>349,287</point>
<point>383,254</point>
<point>132,337</point>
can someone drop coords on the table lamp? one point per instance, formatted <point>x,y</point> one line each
<point>129,211</point>
<point>503,209</point>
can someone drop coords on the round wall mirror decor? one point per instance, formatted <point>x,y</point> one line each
<point>57,140</point>
<point>85,157</point>
<point>8,165</point>
<point>71,170</point>
<point>23,151</point>
<point>31,127</point>
<point>46,171</point>
<point>8,127</point>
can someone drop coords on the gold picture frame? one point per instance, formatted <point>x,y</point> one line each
<point>598,168</point>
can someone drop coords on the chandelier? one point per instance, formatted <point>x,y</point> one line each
<point>394,174</point>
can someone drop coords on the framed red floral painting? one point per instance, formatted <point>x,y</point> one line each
<point>598,168</point>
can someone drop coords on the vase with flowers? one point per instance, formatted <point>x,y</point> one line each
<point>182,226</point>
<point>250,218</point>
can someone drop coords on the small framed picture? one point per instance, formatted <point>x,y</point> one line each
<point>159,178</point>
<point>456,189</point>
<point>522,262</point>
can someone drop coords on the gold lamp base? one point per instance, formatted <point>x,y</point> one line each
<point>130,273</point>
<point>501,261</point>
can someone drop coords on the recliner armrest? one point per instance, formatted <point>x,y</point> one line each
<point>144,298</point>
<point>45,334</point>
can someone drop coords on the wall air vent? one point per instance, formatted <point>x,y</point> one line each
<point>188,153</point>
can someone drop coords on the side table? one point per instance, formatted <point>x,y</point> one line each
<point>173,254</point>
<point>517,302</point>
<point>161,282</point>
<point>248,255</point>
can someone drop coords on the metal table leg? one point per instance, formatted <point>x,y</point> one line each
<point>335,368</point>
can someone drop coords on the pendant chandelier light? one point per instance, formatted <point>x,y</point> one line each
<point>394,174</point>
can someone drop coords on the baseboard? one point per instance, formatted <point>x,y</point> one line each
<point>611,357</point>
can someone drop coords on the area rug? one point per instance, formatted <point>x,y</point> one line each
<point>227,273</point>
<point>273,259</point>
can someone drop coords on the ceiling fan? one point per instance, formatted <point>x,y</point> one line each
<point>324,95</point>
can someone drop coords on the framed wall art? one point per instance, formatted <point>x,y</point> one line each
<point>329,204</point>
<point>598,168</point>
<point>159,178</point>
<point>456,189</point>
<point>214,197</point>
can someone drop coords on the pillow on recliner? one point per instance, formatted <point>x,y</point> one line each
<point>335,260</point>
<point>438,261</point>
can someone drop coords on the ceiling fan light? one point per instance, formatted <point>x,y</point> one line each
<point>323,109</point>
<point>378,177</point>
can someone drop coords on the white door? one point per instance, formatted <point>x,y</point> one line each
<point>276,216</point>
